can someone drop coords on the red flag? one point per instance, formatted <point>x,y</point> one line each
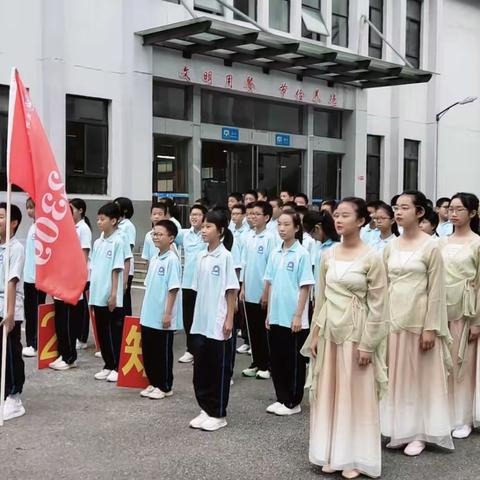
<point>61,270</point>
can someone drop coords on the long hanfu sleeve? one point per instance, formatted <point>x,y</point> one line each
<point>320,290</point>
<point>375,329</point>
<point>475,320</point>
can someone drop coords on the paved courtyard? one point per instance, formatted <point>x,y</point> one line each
<point>79,428</point>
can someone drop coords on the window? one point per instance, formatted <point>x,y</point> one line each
<point>279,15</point>
<point>248,7</point>
<point>171,100</point>
<point>313,25</point>
<point>373,167</point>
<point>327,123</point>
<point>246,112</point>
<point>3,135</point>
<point>209,6</point>
<point>414,23</point>
<point>410,164</point>
<point>87,145</point>
<point>340,22</point>
<point>326,176</point>
<point>169,164</point>
<point>376,17</point>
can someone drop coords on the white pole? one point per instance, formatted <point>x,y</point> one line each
<point>6,259</point>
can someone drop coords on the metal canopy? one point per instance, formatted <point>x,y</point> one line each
<point>238,44</point>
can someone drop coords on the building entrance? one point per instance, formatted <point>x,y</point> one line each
<point>230,167</point>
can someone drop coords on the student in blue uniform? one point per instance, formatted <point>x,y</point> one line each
<point>157,213</point>
<point>255,254</point>
<point>444,225</point>
<point>107,265</point>
<point>191,241</point>
<point>288,280</point>
<point>84,232</point>
<point>161,312</point>
<point>33,296</point>
<point>126,226</point>
<point>216,284</point>
<point>69,319</point>
<point>12,317</point>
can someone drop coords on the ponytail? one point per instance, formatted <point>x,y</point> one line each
<point>220,218</point>
<point>227,239</point>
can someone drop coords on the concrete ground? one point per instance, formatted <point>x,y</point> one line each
<point>80,428</point>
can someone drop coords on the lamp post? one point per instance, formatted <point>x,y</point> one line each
<point>438,116</point>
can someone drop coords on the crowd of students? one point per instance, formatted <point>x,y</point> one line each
<point>380,300</point>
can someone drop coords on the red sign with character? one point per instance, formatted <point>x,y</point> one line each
<point>130,370</point>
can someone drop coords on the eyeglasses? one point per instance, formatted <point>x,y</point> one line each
<point>457,210</point>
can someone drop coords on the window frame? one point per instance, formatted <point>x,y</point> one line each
<point>289,14</point>
<point>372,46</point>
<point>308,10</point>
<point>104,125</point>
<point>251,3</point>
<point>209,6</point>
<point>344,17</point>
<point>410,160</point>
<point>377,156</point>
<point>414,60</point>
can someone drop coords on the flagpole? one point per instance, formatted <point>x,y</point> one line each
<point>11,109</point>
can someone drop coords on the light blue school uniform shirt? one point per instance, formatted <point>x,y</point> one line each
<point>108,254</point>
<point>369,235</point>
<point>29,267</point>
<point>287,271</point>
<point>149,249</point>
<point>192,244</point>
<point>444,229</point>
<point>255,254</point>
<point>164,274</point>
<point>272,225</point>
<point>214,275</point>
<point>128,228</point>
<point>308,243</point>
<point>16,265</point>
<point>380,244</point>
<point>320,249</point>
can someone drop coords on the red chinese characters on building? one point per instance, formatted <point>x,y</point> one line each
<point>316,96</point>
<point>229,80</point>
<point>249,84</point>
<point>283,89</point>
<point>300,95</point>
<point>333,100</point>
<point>184,74</point>
<point>207,77</point>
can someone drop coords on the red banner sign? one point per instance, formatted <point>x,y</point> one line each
<point>130,370</point>
<point>47,338</point>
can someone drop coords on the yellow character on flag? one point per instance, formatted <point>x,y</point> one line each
<point>133,349</point>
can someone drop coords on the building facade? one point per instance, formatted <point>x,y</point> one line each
<point>134,107</point>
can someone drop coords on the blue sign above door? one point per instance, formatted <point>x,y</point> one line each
<point>231,134</point>
<point>282,139</point>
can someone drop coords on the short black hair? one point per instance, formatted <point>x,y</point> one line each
<point>251,192</point>
<point>301,209</point>
<point>169,226</point>
<point>237,196</point>
<point>330,203</point>
<point>442,200</point>
<point>160,205</point>
<point>199,206</point>
<point>263,192</point>
<point>302,195</point>
<point>276,199</point>
<point>110,210</point>
<point>126,206</point>
<point>291,205</point>
<point>15,214</point>
<point>290,192</point>
<point>240,206</point>
<point>249,205</point>
<point>266,208</point>
<point>374,203</point>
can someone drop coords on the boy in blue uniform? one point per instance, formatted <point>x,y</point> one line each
<point>256,250</point>
<point>106,289</point>
<point>161,312</point>
<point>12,317</point>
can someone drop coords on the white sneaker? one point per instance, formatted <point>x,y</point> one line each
<point>62,365</point>
<point>282,410</point>
<point>29,352</point>
<point>112,376</point>
<point>462,432</point>
<point>211,424</point>
<point>13,408</point>
<point>98,354</point>
<point>414,448</point>
<point>157,394</point>
<point>250,372</point>
<point>102,374</point>
<point>187,357</point>
<point>81,345</point>
<point>263,374</point>
<point>197,422</point>
<point>243,348</point>
<point>58,360</point>
<point>145,393</point>
<point>273,407</point>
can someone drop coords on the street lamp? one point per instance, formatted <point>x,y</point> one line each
<point>438,116</point>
